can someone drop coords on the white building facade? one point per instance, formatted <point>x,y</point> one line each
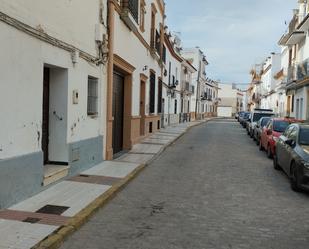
<point>135,72</point>
<point>230,100</point>
<point>197,58</point>
<point>53,79</point>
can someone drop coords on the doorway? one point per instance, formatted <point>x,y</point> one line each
<point>118,111</point>
<point>142,107</point>
<point>45,115</point>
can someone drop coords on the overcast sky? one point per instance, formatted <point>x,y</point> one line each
<point>234,34</point>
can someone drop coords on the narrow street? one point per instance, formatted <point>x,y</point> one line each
<point>213,188</point>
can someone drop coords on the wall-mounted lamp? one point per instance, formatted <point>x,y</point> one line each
<point>145,68</point>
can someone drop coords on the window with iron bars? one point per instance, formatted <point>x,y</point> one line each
<point>92,100</point>
<point>158,42</point>
<point>132,6</point>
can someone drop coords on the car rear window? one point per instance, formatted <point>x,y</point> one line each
<point>304,136</point>
<point>280,126</point>
<point>258,116</point>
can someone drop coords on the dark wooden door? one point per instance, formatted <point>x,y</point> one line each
<point>142,107</point>
<point>118,112</point>
<point>45,118</point>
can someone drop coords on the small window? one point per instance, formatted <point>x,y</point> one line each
<point>92,103</point>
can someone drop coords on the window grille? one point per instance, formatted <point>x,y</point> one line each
<point>92,101</point>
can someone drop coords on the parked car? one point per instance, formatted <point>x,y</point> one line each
<point>244,119</point>
<point>238,114</point>
<point>255,116</point>
<point>259,128</point>
<point>292,155</point>
<point>271,132</point>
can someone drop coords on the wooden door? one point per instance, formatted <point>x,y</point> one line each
<point>142,107</point>
<point>45,114</point>
<point>118,112</point>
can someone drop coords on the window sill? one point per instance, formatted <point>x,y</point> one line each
<point>93,116</point>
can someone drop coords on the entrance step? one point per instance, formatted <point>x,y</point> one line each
<point>53,173</point>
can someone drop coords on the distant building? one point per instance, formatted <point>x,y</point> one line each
<point>230,100</point>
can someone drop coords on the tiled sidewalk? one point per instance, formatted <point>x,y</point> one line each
<point>25,224</point>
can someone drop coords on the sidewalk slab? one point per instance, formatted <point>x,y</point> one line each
<point>146,149</point>
<point>21,235</point>
<point>74,195</point>
<point>112,169</point>
<point>135,158</point>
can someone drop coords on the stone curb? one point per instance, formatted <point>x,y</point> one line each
<point>54,240</point>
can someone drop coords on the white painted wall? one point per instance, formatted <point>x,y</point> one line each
<point>71,21</point>
<point>21,75</point>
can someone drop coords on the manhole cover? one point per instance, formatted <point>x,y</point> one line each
<point>52,209</point>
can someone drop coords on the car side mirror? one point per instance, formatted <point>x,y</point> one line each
<point>290,142</point>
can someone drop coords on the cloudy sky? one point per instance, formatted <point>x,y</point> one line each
<point>234,34</point>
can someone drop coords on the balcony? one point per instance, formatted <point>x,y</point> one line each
<point>174,84</point>
<point>303,70</point>
<point>292,74</point>
<point>292,38</point>
<point>129,13</point>
<point>187,86</point>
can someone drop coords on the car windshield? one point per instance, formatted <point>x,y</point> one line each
<point>264,121</point>
<point>258,116</point>
<point>280,126</point>
<point>304,136</point>
<point>246,115</point>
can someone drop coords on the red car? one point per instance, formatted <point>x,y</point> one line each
<point>272,131</point>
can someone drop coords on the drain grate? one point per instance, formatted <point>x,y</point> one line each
<point>52,209</point>
<point>31,220</point>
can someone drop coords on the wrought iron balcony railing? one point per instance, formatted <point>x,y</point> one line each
<point>292,74</point>
<point>303,70</point>
<point>132,6</point>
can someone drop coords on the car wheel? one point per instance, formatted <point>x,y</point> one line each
<point>269,154</point>
<point>257,141</point>
<point>275,163</point>
<point>294,179</point>
<point>253,137</point>
<point>261,146</point>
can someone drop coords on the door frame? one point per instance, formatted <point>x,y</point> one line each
<point>121,77</point>
<point>126,69</point>
<point>143,81</point>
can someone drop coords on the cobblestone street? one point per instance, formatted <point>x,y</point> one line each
<point>213,188</point>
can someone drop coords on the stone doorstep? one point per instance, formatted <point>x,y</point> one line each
<point>53,173</point>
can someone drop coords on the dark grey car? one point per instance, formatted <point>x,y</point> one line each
<point>257,131</point>
<point>292,155</point>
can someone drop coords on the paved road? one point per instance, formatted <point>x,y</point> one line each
<point>212,189</point>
